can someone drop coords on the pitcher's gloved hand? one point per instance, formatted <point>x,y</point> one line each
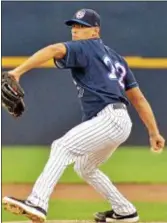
<point>12,95</point>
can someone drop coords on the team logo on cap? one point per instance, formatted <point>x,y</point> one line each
<point>80,14</point>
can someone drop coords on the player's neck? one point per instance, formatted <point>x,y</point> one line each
<point>94,37</point>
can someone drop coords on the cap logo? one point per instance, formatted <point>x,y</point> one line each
<point>80,14</point>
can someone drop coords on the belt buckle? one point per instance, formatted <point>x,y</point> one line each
<point>119,106</point>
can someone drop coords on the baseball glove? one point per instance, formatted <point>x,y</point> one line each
<point>12,95</point>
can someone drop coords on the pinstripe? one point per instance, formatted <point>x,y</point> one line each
<point>49,177</point>
<point>84,143</point>
<point>97,130</point>
<point>122,206</point>
<point>88,145</point>
<point>80,137</point>
<point>48,170</point>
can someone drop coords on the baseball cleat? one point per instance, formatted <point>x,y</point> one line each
<point>25,208</point>
<point>111,216</point>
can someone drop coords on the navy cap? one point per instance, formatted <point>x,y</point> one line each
<point>87,17</point>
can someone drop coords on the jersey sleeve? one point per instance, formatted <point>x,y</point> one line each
<point>130,80</point>
<point>74,58</point>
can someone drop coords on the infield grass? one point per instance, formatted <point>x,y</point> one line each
<point>84,210</point>
<point>135,164</point>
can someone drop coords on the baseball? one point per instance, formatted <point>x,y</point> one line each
<point>156,151</point>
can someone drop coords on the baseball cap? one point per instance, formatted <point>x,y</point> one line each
<point>87,17</point>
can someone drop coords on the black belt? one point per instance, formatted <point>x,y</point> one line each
<point>119,106</point>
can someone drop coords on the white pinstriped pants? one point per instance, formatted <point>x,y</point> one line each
<point>87,146</point>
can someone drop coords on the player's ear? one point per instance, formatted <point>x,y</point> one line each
<point>97,30</point>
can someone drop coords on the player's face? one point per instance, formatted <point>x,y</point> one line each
<point>80,32</point>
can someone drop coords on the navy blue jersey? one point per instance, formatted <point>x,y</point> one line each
<point>99,73</point>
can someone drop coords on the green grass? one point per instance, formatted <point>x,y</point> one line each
<point>84,210</point>
<point>137,165</point>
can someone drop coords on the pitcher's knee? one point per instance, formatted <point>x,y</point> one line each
<point>54,147</point>
<point>83,171</point>
<point>59,150</point>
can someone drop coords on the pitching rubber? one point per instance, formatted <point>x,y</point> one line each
<point>22,209</point>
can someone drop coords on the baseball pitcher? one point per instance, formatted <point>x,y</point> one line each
<point>105,86</point>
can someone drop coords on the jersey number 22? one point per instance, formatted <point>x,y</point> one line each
<point>117,71</point>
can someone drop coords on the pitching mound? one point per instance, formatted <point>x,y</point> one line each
<point>134,192</point>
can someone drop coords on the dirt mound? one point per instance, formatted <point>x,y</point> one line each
<point>134,192</point>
